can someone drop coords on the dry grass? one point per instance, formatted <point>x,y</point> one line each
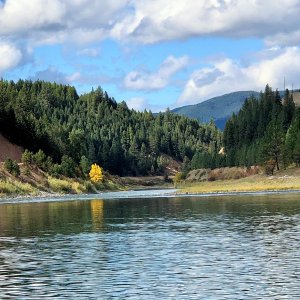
<point>33,180</point>
<point>227,173</point>
<point>9,187</point>
<point>232,173</point>
<point>65,186</point>
<point>252,183</point>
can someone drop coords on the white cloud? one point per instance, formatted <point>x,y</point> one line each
<point>142,80</point>
<point>226,76</point>
<point>158,20</point>
<point>140,104</point>
<point>56,21</point>
<point>85,21</point>
<point>19,16</point>
<point>10,57</point>
<point>137,103</point>
<point>284,39</point>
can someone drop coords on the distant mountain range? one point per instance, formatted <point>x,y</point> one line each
<point>218,108</point>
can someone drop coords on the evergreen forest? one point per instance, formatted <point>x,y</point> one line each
<point>77,130</point>
<point>266,130</point>
<point>69,132</point>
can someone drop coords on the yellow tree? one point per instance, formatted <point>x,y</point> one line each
<point>96,173</point>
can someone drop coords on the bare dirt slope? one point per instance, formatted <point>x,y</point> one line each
<point>296,98</point>
<point>9,150</point>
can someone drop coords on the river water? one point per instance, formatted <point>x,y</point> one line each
<point>143,247</point>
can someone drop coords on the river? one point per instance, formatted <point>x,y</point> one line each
<point>150,245</point>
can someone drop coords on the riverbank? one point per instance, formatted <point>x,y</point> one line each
<point>282,180</point>
<point>32,181</point>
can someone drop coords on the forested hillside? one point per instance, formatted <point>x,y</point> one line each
<point>266,130</point>
<point>218,108</point>
<point>95,128</point>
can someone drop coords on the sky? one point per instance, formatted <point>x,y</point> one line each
<point>153,54</point>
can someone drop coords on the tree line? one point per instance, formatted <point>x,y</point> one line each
<point>78,130</point>
<point>265,131</point>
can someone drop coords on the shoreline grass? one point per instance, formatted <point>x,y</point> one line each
<point>10,187</point>
<point>256,183</point>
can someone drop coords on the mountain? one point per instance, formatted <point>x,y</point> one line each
<point>218,108</point>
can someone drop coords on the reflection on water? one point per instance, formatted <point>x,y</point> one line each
<point>165,248</point>
<point>97,206</point>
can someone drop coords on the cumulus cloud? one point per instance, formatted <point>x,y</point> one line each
<point>284,39</point>
<point>137,103</point>
<point>39,22</point>
<point>227,75</point>
<point>55,21</point>
<point>143,80</point>
<point>19,16</point>
<point>84,21</point>
<point>158,20</point>
<point>10,57</point>
<point>140,104</point>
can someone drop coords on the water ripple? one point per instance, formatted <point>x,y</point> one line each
<point>162,248</point>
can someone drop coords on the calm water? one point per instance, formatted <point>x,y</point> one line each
<point>234,247</point>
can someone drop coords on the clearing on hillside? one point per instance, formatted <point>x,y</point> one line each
<point>9,150</point>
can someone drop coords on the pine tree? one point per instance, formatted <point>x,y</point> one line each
<point>273,142</point>
<point>296,150</point>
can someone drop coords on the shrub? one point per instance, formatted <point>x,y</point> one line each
<point>59,185</point>
<point>15,187</point>
<point>55,170</point>
<point>89,187</point>
<point>12,167</point>
<point>26,171</point>
<point>27,157</point>
<point>48,164</point>
<point>39,159</point>
<point>270,166</point>
<point>177,178</point>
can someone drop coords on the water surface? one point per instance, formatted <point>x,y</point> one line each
<point>230,247</point>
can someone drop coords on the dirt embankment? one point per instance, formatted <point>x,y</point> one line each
<point>9,150</point>
<point>227,173</point>
<point>296,98</point>
<point>225,180</point>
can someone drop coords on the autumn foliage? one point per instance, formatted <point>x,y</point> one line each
<point>96,173</point>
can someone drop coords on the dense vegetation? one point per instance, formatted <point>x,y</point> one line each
<point>265,131</point>
<point>77,130</point>
<point>218,108</point>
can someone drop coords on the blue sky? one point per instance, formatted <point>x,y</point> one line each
<point>152,54</point>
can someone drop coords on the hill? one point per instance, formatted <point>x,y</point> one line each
<point>218,108</point>
<point>78,130</point>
